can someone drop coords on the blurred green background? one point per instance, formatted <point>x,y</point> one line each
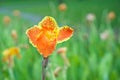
<point>93,51</point>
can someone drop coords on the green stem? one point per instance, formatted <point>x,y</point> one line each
<point>11,74</point>
<point>44,65</point>
<point>64,73</point>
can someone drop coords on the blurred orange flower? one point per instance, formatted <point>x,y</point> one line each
<point>111,15</point>
<point>62,7</point>
<point>47,34</point>
<point>16,13</point>
<point>6,19</point>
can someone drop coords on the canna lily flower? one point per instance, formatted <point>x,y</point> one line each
<point>47,34</point>
<point>8,55</point>
<point>11,52</point>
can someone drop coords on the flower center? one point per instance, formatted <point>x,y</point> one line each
<point>51,34</point>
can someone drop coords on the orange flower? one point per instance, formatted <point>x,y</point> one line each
<point>16,13</point>
<point>111,15</point>
<point>6,19</point>
<point>62,7</point>
<point>47,34</point>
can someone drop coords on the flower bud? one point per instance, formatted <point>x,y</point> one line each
<point>14,34</point>
<point>16,13</point>
<point>104,35</point>
<point>6,19</point>
<point>57,71</point>
<point>90,17</point>
<point>62,7</point>
<point>111,15</point>
<point>62,52</point>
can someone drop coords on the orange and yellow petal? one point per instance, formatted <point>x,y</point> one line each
<point>64,34</point>
<point>47,34</point>
<point>33,33</point>
<point>48,23</point>
<point>45,46</point>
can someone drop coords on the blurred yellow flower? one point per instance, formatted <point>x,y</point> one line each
<point>10,53</point>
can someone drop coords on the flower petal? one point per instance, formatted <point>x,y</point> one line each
<point>45,46</point>
<point>48,23</point>
<point>64,34</point>
<point>33,34</point>
<point>15,51</point>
